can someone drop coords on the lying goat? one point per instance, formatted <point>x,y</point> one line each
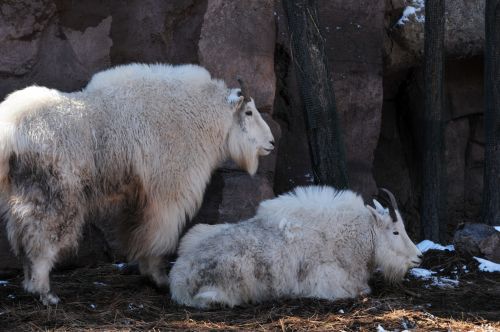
<point>314,242</point>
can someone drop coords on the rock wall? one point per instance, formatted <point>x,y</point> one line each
<point>397,160</point>
<point>374,50</point>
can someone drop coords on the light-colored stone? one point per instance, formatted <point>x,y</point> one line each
<point>92,46</point>
<point>237,40</point>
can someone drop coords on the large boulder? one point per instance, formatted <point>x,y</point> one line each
<point>21,26</point>
<point>237,40</point>
<point>464,30</point>
<point>473,239</point>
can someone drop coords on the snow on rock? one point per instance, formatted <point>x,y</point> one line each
<point>428,245</point>
<point>487,266</point>
<point>416,10</point>
<point>497,228</point>
<point>4,282</point>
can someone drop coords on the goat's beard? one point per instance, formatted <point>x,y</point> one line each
<point>393,272</point>
<point>244,155</point>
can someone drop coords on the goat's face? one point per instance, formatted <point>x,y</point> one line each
<point>395,253</point>
<point>249,136</point>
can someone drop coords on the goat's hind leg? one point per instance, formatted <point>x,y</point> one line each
<point>39,279</point>
<point>43,221</point>
<point>27,275</point>
<point>30,239</point>
<point>154,268</point>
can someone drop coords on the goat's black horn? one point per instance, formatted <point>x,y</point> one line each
<point>393,206</point>
<point>244,91</point>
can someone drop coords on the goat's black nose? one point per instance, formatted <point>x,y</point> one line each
<point>272,143</point>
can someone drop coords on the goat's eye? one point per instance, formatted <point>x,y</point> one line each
<point>395,233</point>
<point>248,112</point>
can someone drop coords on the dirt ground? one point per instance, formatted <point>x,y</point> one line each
<point>107,298</point>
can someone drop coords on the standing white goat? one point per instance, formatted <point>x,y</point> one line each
<point>313,242</point>
<point>135,149</point>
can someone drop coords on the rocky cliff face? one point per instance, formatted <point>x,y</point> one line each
<point>397,160</point>
<point>374,49</point>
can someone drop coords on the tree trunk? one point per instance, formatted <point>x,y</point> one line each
<point>325,139</point>
<point>433,202</point>
<point>491,187</point>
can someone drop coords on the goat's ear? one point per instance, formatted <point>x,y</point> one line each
<point>375,214</point>
<point>235,99</point>
<point>380,209</point>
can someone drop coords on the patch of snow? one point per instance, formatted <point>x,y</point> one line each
<point>4,282</point>
<point>417,11</point>
<point>341,311</point>
<point>497,228</point>
<point>11,296</point>
<point>93,306</point>
<point>428,245</point>
<point>380,328</point>
<point>120,266</point>
<point>440,282</point>
<point>133,306</point>
<point>418,272</point>
<point>487,266</point>
<point>98,283</point>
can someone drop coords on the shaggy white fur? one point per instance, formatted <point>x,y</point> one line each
<point>313,242</point>
<point>134,150</point>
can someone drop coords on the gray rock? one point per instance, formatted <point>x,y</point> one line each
<point>490,247</point>
<point>21,25</point>
<point>237,40</point>
<point>353,32</point>
<point>353,35</point>
<point>469,237</point>
<point>464,32</point>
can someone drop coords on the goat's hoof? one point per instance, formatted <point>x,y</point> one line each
<point>49,299</point>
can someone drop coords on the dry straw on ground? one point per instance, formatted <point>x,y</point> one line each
<point>105,298</point>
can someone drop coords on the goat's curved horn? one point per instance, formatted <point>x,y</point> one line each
<point>393,204</point>
<point>244,91</point>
